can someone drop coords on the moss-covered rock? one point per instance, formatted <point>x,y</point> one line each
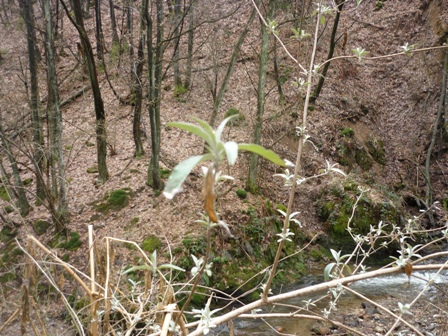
<point>151,243</point>
<point>115,200</point>
<point>335,208</point>
<point>363,159</point>
<point>41,226</point>
<point>241,193</point>
<point>7,233</point>
<point>376,150</point>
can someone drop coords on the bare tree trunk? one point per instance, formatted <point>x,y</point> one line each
<point>217,99</point>
<point>137,83</point>
<point>261,99</point>
<point>320,84</point>
<point>99,30</point>
<point>189,66</point>
<point>19,191</point>
<point>155,74</point>
<point>100,115</point>
<point>176,33</point>
<point>55,126</point>
<point>5,11</point>
<point>113,22</point>
<point>38,139</point>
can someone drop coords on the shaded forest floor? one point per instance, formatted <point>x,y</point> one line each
<point>391,101</point>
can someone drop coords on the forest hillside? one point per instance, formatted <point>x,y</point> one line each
<point>91,97</point>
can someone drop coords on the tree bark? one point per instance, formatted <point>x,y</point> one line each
<point>19,191</point>
<point>137,83</point>
<point>261,99</point>
<point>176,33</point>
<point>320,84</point>
<point>155,77</point>
<point>189,66</point>
<point>217,99</point>
<point>38,139</point>
<point>55,121</point>
<point>113,22</point>
<point>99,30</point>
<point>100,115</point>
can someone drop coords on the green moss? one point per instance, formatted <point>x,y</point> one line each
<point>164,173</point>
<point>281,207</point>
<point>7,233</point>
<point>180,90</point>
<point>9,209</point>
<point>151,243</point>
<point>73,243</point>
<point>238,116</point>
<point>315,254</point>
<point>4,194</point>
<point>115,52</point>
<point>115,200</point>
<point>41,226</point>
<point>90,144</point>
<point>60,241</point>
<point>363,159</point>
<point>335,208</point>
<point>133,171</point>
<point>118,198</point>
<point>92,170</point>
<point>241,193</point>
<point>376,149</point>
<point>4,278</point>
<point>27,182</point>
<point>347,132</point>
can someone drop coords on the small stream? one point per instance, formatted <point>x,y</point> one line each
<point>392,286</point>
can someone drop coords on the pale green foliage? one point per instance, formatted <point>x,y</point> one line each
<point>198,264</point>
<point>285,236</point>
<point>272,26</point>
<point>291,219</point>
<point>299,33</point>
<point>217,151</point>
<point>407,48</point>
<point>301,84</point>
<point>153,266</point>
<point>332,270</point>
<point>404,308</point>
<point>360,53</point>
<point>322,10</point>
<point>205,316</point>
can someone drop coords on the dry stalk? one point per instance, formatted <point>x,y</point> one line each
<point>11,318</point>
<point>93,291</point>
<point>168,317</point>
<point>72,313</point>
<point>61,262</point>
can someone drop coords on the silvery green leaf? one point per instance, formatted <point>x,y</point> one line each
<point>195,129</point>
<point>266,153</point>
<point>231,149</point>
<point>180,173</point>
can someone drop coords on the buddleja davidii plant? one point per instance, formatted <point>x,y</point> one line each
<point>217,151</point>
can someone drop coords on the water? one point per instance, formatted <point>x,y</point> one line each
<point>396,286</point>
